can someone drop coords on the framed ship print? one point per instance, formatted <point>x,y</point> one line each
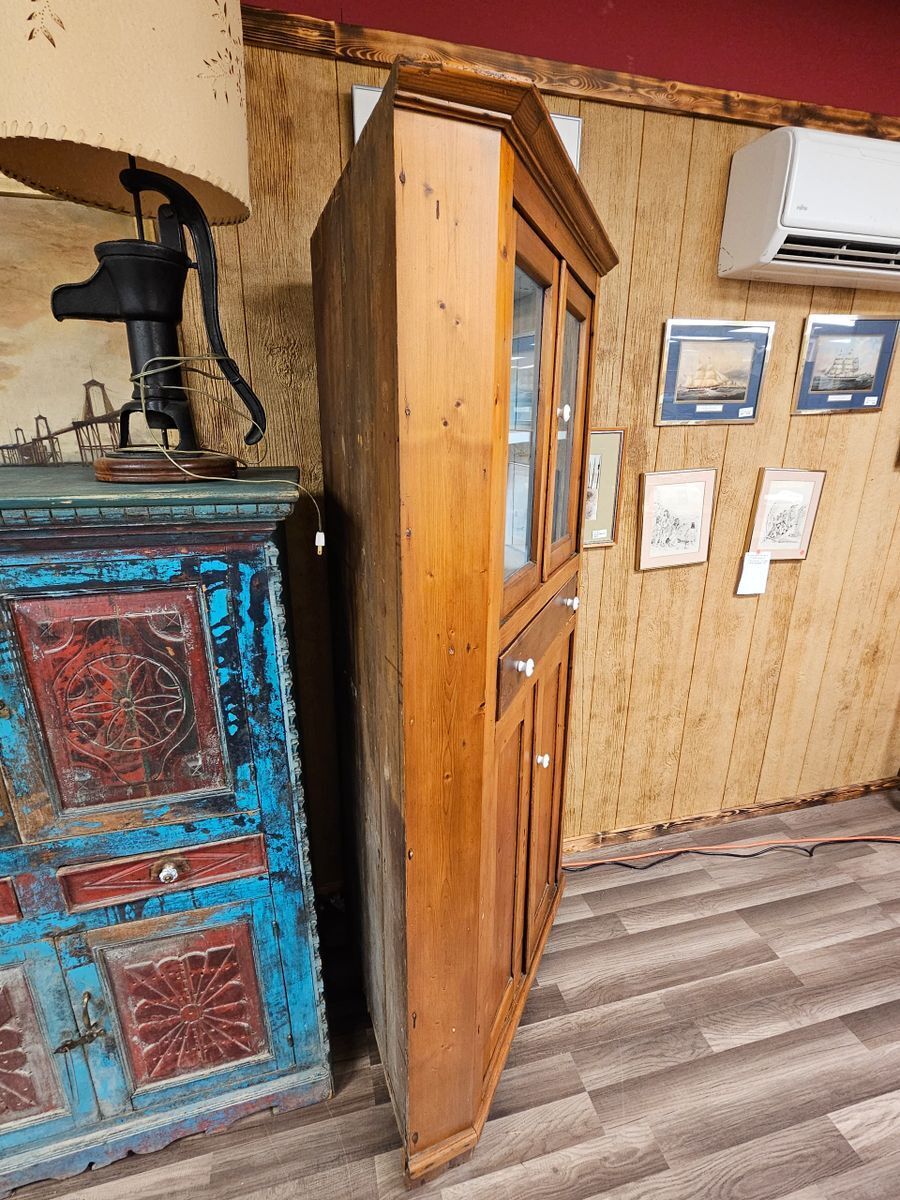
<point>676,510</point>
<point>603,474</point>
<point>712,371</point>
<point>784,512</point>
<point>844,364</point>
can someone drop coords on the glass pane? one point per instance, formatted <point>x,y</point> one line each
<point>524,381</point>
<point>565,425</point>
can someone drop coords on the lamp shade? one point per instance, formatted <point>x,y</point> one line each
<point>85,83</point>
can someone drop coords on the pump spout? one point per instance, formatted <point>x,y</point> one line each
<point>135,281</point>
<point>93,300</point>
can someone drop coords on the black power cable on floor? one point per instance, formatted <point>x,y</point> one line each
<point>805,846</point>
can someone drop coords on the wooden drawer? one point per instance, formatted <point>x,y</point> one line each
<point>533,642</point>
<point>9,903</point>
<point>93,885</point>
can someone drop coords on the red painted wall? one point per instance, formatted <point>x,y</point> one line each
<point>840,52</point>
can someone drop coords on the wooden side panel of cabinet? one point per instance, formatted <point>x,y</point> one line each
<point>354,279</point>
<point>449,257</point>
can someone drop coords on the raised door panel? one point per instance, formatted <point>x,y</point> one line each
<point>189,1005</point>
<point>9,834</point>
<point>503,886</point>
<point>121,684</point>
<point>10,909</point>
<point>123,708</point>
<point>42,1097</point>
<point>548,776</point>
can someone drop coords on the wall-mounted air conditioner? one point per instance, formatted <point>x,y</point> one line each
<point>810,207</point>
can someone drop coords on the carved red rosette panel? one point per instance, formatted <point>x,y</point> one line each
<point>121,682</point>
<point>188,1003</point>
<point>28,1083</point>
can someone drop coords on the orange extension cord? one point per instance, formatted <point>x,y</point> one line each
<point>732,849</point>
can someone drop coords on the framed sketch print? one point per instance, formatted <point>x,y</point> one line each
<point>712,371</point>
<point>676,516</point>
<point>784,511</point>
<point>844,364</point>
<point>603,473</point>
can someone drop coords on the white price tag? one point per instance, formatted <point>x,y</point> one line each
<point>871,401</point>
<point>745,412</point>
<point>755,574</point>
<point>599,535</point>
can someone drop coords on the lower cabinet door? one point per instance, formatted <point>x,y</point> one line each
<point>503,871</point>
<point>180,1006</point>
<point>551,688</point>
<point>45,1093</point>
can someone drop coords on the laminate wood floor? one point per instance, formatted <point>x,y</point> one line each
<point>707,1030</point>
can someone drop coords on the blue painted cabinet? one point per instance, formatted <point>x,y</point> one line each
<point>159,969</point>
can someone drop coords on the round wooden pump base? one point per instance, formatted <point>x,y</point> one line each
<point>152,466</point>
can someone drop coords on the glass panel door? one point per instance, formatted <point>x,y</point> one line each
<point>524,380</point>
<point>530,383</point>
<point>568,426</point>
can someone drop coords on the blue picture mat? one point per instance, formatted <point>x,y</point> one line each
<point>812,394</point>
<point>716,406</point>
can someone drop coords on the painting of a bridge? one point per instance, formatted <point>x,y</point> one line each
<point>86,438</point>
<point>61,383</point>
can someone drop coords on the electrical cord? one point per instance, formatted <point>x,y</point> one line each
<point>183,360</point>
<point>807,846</point>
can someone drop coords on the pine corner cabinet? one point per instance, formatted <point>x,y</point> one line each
<point>159,970</point>
<point>455,274</point>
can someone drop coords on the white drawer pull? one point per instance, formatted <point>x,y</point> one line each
<point>543,760</point>
<point>525,666</point>
<point>572,602</point>
<point>565,412</point>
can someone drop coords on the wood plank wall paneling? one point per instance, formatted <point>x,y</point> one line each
<point>266,307</point>
<point>687,699</point>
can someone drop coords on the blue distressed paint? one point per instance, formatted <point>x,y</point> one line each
<point>225,552</point>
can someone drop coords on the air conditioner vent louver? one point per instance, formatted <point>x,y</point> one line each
<point>811,207</point>
<point>839,252</point>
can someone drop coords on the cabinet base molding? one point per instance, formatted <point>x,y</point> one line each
<point>455,1149</point>
<point>113,1140</point>
<point>724,816</point>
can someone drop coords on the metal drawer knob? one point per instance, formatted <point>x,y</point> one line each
<point>572,602</point>
<point>525,666</point>
<point>543,760</point>
<point>169,870</point>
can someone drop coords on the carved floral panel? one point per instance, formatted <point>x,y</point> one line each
<point>29,1086</point>
<point>121,683</point>
<point>188,1003</point>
